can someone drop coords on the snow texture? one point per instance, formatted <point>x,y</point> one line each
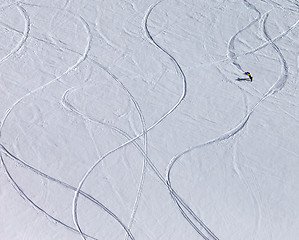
<point>134,120</point>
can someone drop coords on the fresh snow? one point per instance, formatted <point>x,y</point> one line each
<point>134,120</point>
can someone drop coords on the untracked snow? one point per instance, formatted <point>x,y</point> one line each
<point>134,120</point>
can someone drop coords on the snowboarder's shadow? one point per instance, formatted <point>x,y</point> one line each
<point>243,79</point>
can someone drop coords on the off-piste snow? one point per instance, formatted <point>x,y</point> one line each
<point>149,120</point>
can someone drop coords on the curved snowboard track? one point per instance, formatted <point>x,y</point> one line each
<point>71,68</point>
<point>189,215</point>
<point>231,45</point>
<point>63,184</point>
<point>277,86</point>
<point>71,108</point>
<point>164,116</point>
<point>8,112</point>
<point>143,125</point>
<point>25,34</point>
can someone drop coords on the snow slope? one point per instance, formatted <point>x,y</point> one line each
<point>125,119</point>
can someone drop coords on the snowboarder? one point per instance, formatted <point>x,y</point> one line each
<point>249,75</point>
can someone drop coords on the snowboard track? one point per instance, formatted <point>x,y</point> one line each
<point>277,86</point>
<point>188,214</point>
<point>25,34</point>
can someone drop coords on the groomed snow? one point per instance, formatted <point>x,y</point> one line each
<point>134,120</point>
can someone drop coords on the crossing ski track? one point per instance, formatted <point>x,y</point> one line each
<point>57,79</point>
<point>182,75</point>
<point>279,84</point>
<point>65,185</point>
<point>192,218</point>
<point>25,34</point>
<point>71,68</point>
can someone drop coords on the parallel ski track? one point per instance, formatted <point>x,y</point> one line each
<point>182,206</point>
<point>80,60</point>
<point>63,184</point>
<point>25,197</point>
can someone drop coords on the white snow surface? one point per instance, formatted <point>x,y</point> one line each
<point>134,120</point>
